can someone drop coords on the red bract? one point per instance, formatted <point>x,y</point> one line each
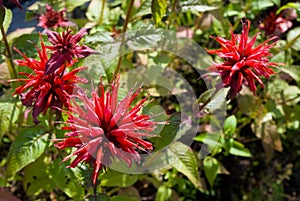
<point>277,24</point>
<point>16,2</point>
<point>65,48</point>
<point>53,19</point>
<point>104,129</point>
<point>43,92</point>
<point>243,62</point>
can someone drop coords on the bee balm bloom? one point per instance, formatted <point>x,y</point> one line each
<point>44,92</point>
<point>243,62</point>
<point>65,48</point>
<point>53,19</point>
<point>104,129</point>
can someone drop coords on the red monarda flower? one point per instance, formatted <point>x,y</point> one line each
<point>65,48</point>
<point>43,92</point>
<point>274,25</point>
<point>243,62</point>
<point>104,129</point>
<point>53,19</point>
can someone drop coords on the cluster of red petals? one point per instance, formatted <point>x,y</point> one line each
<point>274,25</point>
<point>53,19</point>
<point>105,128</point>
<point>243,63</point>
<point>16,2</point>
<point>65,48</point>
<point>44,92</point>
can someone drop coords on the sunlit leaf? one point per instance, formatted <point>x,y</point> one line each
<point>186,162</point>
<point>238,149</point>
<point>163,193</point>
<point>293,38</point>
<point>7,20</point>
<point>159,8</point>
<point>72,4</point>
<point>29,144</point>
<point>230,125</point>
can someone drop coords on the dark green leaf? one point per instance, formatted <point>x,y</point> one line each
<point>158,8</point>
<point>29,144</point>
<point>66,180</point>
<point>211,167</point>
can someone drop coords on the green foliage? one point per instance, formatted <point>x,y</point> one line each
<point>114,178</point>
<point>211,167</point>
<point>27,147</point>
<point>7,117</point>
<point>158,8</point>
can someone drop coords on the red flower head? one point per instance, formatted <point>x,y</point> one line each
<point>275,25</point>
<point>243,62</point>
<point>16,2</point>
<point>43,92</point>
<point>53,19</point>
<point>105,128</point>
<point>65,48</point>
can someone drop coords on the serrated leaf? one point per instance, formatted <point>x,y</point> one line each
<point>6,110</point>
<point>158,8</point>
<point>35,175</point>
<point>29,145</point>
<point>6,21</point>
<point>163,193</point>
<point>211,167</point>
<point>66,180</point>
<point>185,161</point>
<point>115,178</point>
<point>230,125</point>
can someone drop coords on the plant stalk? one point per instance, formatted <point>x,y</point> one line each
<point>123,38</point>
<point>11,66</point>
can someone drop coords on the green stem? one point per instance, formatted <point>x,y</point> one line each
<point>291,42</point>
<point>11,66</point>
<point>102,12</point>
<point>123,38</point>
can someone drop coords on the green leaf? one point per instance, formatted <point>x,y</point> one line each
<point>211,167</point>
<point>29,144</point>
<point>144,9</point>
<point>6,113</point>
<point>35,175</point>
<point>158,8</point>
<point>230,125</point>
<point>163,193</point>
<point>66,181</point>
<point>99,197</point>
<point>123,198</point>
<point>185,161</point>
<point>114,178</point>
<point>7,20</point>
<point>72,4</point>
<point>195,6</point>
<point>293,38</point>
<point>258,5</point>
<point>238,149</point>
<point>2,15</point>
<point>293,71</point>
<point>94,11</point>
